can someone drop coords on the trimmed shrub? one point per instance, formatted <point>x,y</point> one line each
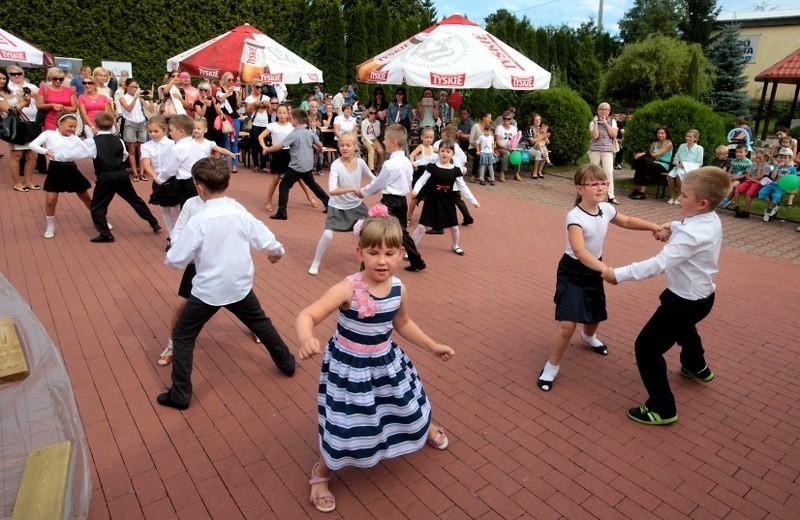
<point>679,114</point>
<point>568,116</point>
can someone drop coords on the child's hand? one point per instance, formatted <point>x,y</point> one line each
<point>309,348</point>
<point>51,154</point>
<point>264,149</point>
<point>358,193</point>
<point>443,351</point>
<point>273,259</point>
<point>608,275</point>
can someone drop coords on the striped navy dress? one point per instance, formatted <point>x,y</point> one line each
<point>371,402</point>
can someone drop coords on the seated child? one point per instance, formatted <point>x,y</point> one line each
<point>721,160</point>
<point>541,146</point>
<point>751,185</point>
<point>739,168</point>
<point>771,192</point>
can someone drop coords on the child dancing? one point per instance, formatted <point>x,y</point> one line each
<point>579,294</point>
<point>62,173</point>
<point>371,402</point>
<point>344,205</point>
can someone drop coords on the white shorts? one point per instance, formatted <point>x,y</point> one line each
<point>677,172</point>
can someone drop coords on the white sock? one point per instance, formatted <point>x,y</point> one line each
<point>550,371</point>
<point>418,234</point>
<point>322,245</point>
<point>51,224</point>
<point>592,340</point>
<point>169,344</point>
<point>454,236</point>
<point>169,213</point>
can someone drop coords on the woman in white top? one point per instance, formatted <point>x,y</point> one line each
<point>134,130</point>
<point>503,135</point>
<point>100,76</point>
<point>344,123</point>
<point>370,132</point>
<point>257,108</point>
<point>20,100</point>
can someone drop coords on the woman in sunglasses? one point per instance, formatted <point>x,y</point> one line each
<point>56,99</point>
<point>92,102</point>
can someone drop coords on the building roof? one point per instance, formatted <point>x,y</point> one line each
<point>760,18</point>
<point>785,71</point>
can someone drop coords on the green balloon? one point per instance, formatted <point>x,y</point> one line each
<point>515,158</point>
<point>788,182</point>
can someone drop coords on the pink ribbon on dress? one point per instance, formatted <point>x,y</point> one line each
<point>442,187</point>
<point>365,305</point>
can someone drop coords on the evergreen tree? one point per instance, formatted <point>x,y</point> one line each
<point>698,20</point>
<point>693,78</point>
<point>331,52</point>
<point>584,70</point>
<point>727,94</point>
<point>357,50</point>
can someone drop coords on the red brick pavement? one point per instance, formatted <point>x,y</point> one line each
<point>246,445</point>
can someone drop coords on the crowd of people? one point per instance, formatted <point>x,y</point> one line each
<point>372,404</point>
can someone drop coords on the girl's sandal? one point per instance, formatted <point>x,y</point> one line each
<point>440,440</point>
<point>317,498</point>
<point>314,203</point>
<point>165,358</point>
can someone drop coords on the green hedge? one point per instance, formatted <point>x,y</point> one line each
<point>679,114</point>
<point>568,116</point>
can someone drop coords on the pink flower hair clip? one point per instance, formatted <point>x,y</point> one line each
<point>376,210</point>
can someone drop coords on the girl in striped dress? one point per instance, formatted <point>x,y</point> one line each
<point>371,402</point>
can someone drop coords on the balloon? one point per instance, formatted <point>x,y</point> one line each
<point>789,182</point>
<point>455,100</point>
<point>515,158</point>
<point>515,139</point>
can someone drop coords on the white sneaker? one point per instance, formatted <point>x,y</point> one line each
<point>766,215</point>
<point>671,201</point>
<point>773,211</point>
<point>313,270</point>
<point>110,227</point>
<point>49,234</point>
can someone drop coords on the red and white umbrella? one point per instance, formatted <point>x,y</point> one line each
<point>14,51</point>
<point>247,52</point>
<point>454,53</point>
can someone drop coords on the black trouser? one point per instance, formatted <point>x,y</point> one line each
<point>259,159</point>
<point>195,315</point>
<point>116,183</point>
<point>646,170</point>
<point>289,179</point>
<point>674,321</point>
<point>462,206</point>
<point>398,207</point>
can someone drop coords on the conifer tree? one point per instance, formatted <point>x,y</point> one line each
<point>727,94</point>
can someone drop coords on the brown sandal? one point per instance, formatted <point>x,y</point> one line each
<point>166,357</point>
<point>325,495</point>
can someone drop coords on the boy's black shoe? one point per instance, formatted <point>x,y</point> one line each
<point>644,415</point>
<point>101,239</point>
<point>279,216</point>
<point>415,268</point>
<point>433,231</point>
<point>165,400</point>
<point>704,375</point>
<point>468,222</point>
<point>637,195</point>
<point>741,214</point>
<point>156,228</point>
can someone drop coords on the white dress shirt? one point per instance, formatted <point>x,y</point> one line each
<point>88,148</point>
<point>158,153</point>
<point>690,258</point>
<point>395,177</point>
<point>218,239</point>
<point>341,177</point>
<point>64,147</point>
<point>184,154</point>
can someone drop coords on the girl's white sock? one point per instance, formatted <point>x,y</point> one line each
<point>454,236</point>
<point>51,224</point>
<point>592,340</point>
<point>170,215</point>
<point>550,371</point>
<point>418,234</point>
<point>322,245</point>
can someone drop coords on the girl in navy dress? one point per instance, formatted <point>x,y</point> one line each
<point>580,297</point>
<point>371,402</point>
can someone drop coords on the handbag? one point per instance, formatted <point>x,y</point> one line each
<point>223,123</point>
<point>8,127</point>
<point>17,129</point>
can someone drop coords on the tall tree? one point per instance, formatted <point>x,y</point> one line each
<point>357,50</point>
<point>698,20</point>
<point>648,17</point>
<point>727,93</point>
<point>330,52</point>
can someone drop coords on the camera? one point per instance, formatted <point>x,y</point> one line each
<point>145,92</point>
<point>26,90</point>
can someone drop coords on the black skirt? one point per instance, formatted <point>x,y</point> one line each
<point>65,177</point>
<point>580,296</point>
<point>174,192</point>
<point>279,161</point>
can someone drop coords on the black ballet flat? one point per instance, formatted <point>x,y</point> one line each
<point>543,384</point>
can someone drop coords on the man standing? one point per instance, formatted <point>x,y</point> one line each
<point>464,129</point>
<point>338,100</point>
<point>77,81</point>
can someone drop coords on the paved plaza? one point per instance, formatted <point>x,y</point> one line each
<point>246,445</point>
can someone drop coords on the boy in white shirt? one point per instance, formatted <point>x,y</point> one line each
<point>690,260</point>
<point>218,239</point>
<point>185,153</point>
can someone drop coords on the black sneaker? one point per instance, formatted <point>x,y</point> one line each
<point>101,239</point>
<point>741,214</point>
<point>704,375</point>
<point>644,415</point>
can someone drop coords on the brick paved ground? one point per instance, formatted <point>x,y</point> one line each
<point>246,445</point>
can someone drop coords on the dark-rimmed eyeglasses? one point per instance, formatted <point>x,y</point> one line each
<point>597,184</point>
<point>506,119</point>
<point>15,74</point>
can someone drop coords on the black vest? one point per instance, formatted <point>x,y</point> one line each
<point>109,154</point>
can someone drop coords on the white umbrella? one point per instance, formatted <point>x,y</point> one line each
<point>250,51</point>
<point>14,51</point>
<point>454,53</point>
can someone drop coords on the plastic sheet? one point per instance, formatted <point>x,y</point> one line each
<point>39,411</point>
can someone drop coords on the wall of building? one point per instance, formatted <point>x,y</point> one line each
<point>767,46</point>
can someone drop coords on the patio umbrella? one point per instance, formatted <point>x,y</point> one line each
<point>14,51</point>
<point>454,53</point>
<point>249,52</point>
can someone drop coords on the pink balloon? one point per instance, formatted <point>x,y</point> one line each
<point>455,100</point>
